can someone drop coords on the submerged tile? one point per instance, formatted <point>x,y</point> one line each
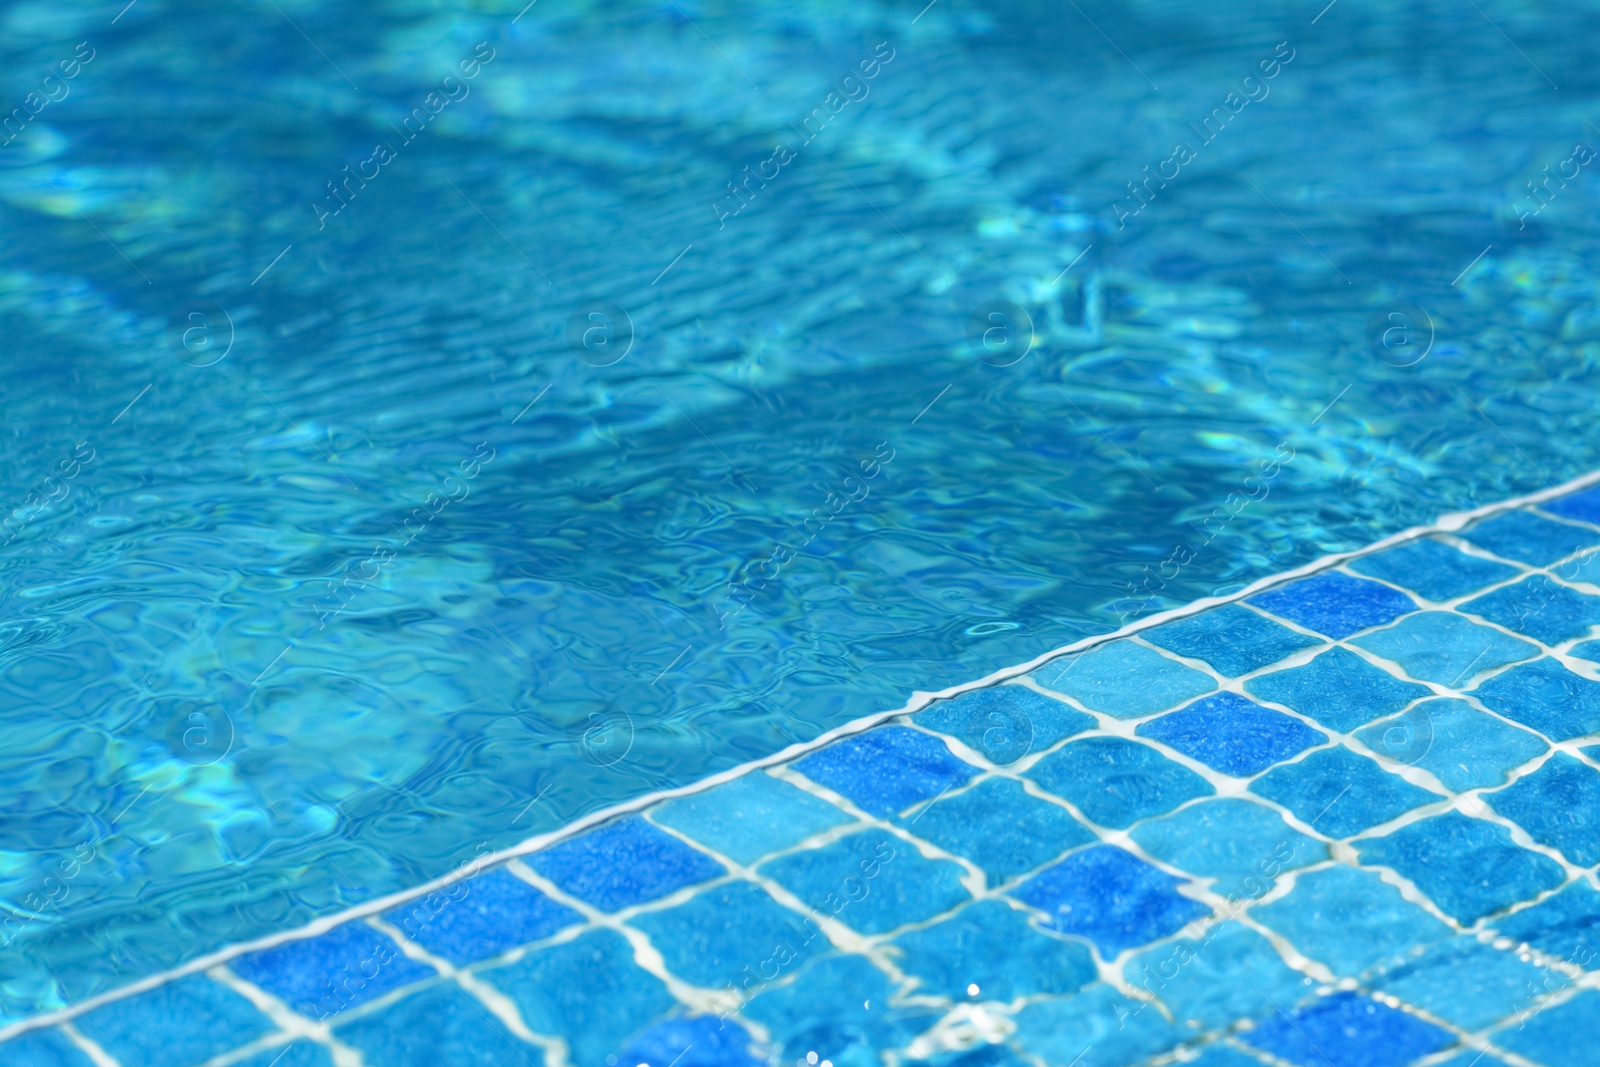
<point>993,946</point>
<point>1110,897</point>
<point>441,1025</point>
<point>1559,806</point>
<point>1561,1036</point>
<point>1528,538</point>
<point>1003,723</point>
<point>1539,608</point>
<point>871,881</point>
<point>1589,650</point>
<point>1233,735</point>
<point>1433,569</point>
<point>1350,920</point>
<point>1545,696</point>
<point>733,934</point>
<point>320,976</point>
<point>886,770</point>
<point>481,917</point>
<point>1583,505</point>
<point>1335,604</point>
<point>837,1007</point>
<point>1124,679</point>
<point>1211,982</point>
<point>752,816</point>
<point>999,827</point>
<point>1469,867</point>
<point>295,1054</point>
<point>1098,1027</point>
<point>623,863</point>
<point>1443,647</point>
<point>1565,924</point>
<point>182,1022</point>
<point>1234,640</point>
<point>1243,845</point>
<point>1465,982</point>
<point>44,1048</point>
<point>1340,793</point>
<point>1338,689</point>
<point>1348,1030</point>
<point>1461,746</point>
<point>698,1041</point>
<point>1116,782</point>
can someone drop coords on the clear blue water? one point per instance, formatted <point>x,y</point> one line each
<point>245,682</point>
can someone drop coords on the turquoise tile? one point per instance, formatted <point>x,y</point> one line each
<point>1233,735</point>
<point>887,769</point>
<point>839,1008</point>
<point>698,1041</point>
<point>1529,538</point>
<point>1124,679</point>
<point>1350,920</point>
<point>1233,640</point>
<point>1547,697</point>
<point>1111,898</point>
<point>1211,982</point>
<point>1243,845</point>
<point>1098,1027</point>
<point>1584,569</point>
<point>1589,650</point>
<point>1219,1055</point>
<point>441,1025</point>
<point>731,935</point>
<point>1469,867</point>
<point>1473,1058</point>
<point>1435,570</point>
<point>1005,722</point>
<point>1562,1036</point>
<point>1116,782</point>
<point>750,817</point>
<point>1465,982</point>
<point>993,946</point>
<point>871,881</point>
<point>1559,806</point>
<point>1339,793</point>
<point>1338,689</point>
<point>1565,924</point>
<point>1442,647</point>
<point>1461,746</point>
<point>999,827</point>
<point>1539,608</point>
<point>180,1023</point>
<point>294,1054</point>
<point>43,1048</point>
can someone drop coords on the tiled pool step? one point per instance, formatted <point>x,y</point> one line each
<point>1348,818</point>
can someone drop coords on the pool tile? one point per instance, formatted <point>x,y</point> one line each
<point>1232,639</point>
<point>588,991</point>
<point>1219,1055</point>
<point>1547,697</point>
<point>1124,679</point>
<point>731,935</point>
<point>999,827</point>
<point>700,1041</point>
<point>993,946</point>
<point>1465,982</point>
<point>1243,845</point>
<point>1211,982</point>
<point>441,1025</point>
<point>321,976</point>
<point>1350,920</point>
<point>1233,735</point>
<point>886,770</point>
<point>1433,569</point>
<point>1098,1027</point>
<point>839,1008</point>
<point>1589,650</point>
<point>481,917</point>
<point>1469,867</point>
<point>1339,793</point>
<point>1539,608</point>
<point>1585,569</point>
<point>1473,1058</point>
<point>623,863</point>
<point>1110,897</point>
<point>1559,806</point>
<point>1348,1030</point>
<point>1335,604</point>
<point>43,1048</point>
<point>1003,723</point>
<point>1527,538</point>
<point>871,881</point>
<point>1584,505</point>
<point>1116,782</point>
<point>1562,1036</point>
<point>1565,924</point>
<point>1338,689</point>
<point>182,1022</point>
<point>294,1054</point>
<point>750,817</point>
<point>1442,647</point>
<point>1461,746</point>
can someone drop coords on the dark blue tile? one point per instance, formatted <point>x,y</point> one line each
<point>1559,806</point>
<point>1463,747</point>
<point>1566,924</point>
<point>1097,1028</point>
<point>838,1007</point>
<point>1340,793</point>
<point>732,935</point>
<point>1562,1036</point>
<point>1470,868</point>
<point>1124,679</point>
<point>750,817</point>
<point>179,1023</point>
<point>43,1048</point>
<point>1005,722</point>
<point>701,1041</point>
<point>1465,982</point>
<point>1241,844</point>
<point>993,946</point>
<point>1335,604</point>
<point>320,976</point>
<point>887,769</point>
<point>1350,920</point>
<point>1111,898</point>
<point>1527,538</point>
<point>1116,782</point>
<point>1232,639</point>
<point>588,991</point>
<point>1539,608</point>
<point>438,1026</point>
<point>1233,735</point>
<point>481,917</point>
<point>1347,1030</point>
<point>1212,982</point>
<point>624,863</point>
<point>1584,505</point>
<point>1443,647</point>
<point>1547,697</point>
<point>1433,569</point>
<point>1338,689</point>
<point>1000,828</point>
<point>294,1054</point>
<point>871,881</point>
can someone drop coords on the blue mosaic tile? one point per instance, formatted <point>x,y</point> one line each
<point>1003,723</point>
<point>1098,1027</point>
<point>1233,735</point>
<point>1116,782</point>
<point>750,817</point>
<point>1562,1036</point>
<point>1335,604</point>
<point>1589,650</point>
<point>1547,697</point>
<point>1527,538</point>
<point>886,770</point>
<point>1465,982</point>
<point>1473,1058</point>
<point>1339,793</point>
<point>588,991</point>
<point>1243,845</point>
<point>1000,828</point>
<point>1470,868</point>
<point>1539,608</point>
<point>321,976</point>
<point>1583,506</point>
<point>701,1041</point>
<point>1231,973</point>
<point>1124,679</point>
<point>44,1048</point>
<point>1461,746</point>
<point>623,863</point>
<point>731,935</point>
<point>1347,1030</point>
<point>1565,924</point>
<point>995,947</point>
<point>1434,570</point>
<point>1231,639</point>
<point>441,1025</point>
<point>1111,898</point>
<point>1223,1056</point>
<point>1338,689</point>
<point>294,1054</point>
<point>1350,920</point>
<point>839,1008</point>
<point>481,917</point>
<point>1583,569</point>
<point>1439,646</point>
<point>871,881</point>
<point>1559,806</point>
<point>186,1021</point>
